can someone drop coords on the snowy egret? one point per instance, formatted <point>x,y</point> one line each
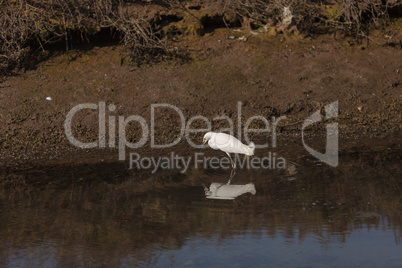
<point>228,144</point>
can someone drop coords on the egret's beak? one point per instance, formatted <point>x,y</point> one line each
<point>203,143</point>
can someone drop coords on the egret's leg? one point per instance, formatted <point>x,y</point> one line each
<point>232,173</point>
<point>233,163</point>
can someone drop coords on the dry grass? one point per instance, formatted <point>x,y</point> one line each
<point>27,26</point>
<point>353,16</point>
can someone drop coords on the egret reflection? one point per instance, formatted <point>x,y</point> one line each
<point>228,191</point>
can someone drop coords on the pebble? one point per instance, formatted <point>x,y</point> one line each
<point>243,38</point>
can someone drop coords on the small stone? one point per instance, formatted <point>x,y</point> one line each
<point>243,38</point>
<point>360,108</point>
<point>48,98</point>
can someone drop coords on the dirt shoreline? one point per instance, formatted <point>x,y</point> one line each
<point>270,76</point>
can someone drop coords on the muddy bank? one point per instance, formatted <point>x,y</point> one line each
<point>272,76</point>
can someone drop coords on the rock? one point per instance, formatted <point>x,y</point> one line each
<point>243,38</point>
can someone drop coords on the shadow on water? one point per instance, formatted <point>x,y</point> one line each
<point>106,215</point>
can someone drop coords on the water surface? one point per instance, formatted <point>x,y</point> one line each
<point>310,215</point>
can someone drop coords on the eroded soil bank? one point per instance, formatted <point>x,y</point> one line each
<point>282,75</point>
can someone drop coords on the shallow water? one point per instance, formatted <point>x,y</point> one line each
<point>310,215</point>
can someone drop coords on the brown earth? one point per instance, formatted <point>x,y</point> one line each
<point>270,75</point>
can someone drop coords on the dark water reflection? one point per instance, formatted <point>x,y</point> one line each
<point>104,215</point>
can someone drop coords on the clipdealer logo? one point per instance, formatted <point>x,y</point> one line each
<point>119,140</point>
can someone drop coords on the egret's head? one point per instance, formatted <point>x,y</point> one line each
<point>207,137</point>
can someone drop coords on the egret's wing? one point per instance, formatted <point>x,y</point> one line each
<point>223,140</point>
<point>230,144</point>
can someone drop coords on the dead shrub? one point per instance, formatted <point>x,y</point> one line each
<point>26,25</point>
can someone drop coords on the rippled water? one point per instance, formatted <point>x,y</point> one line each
<point>311,215</point>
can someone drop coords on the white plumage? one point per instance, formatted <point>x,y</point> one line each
<point>225,191</point>
<point>228,144</point>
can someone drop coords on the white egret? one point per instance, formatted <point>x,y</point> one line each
<point>228,144</point>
